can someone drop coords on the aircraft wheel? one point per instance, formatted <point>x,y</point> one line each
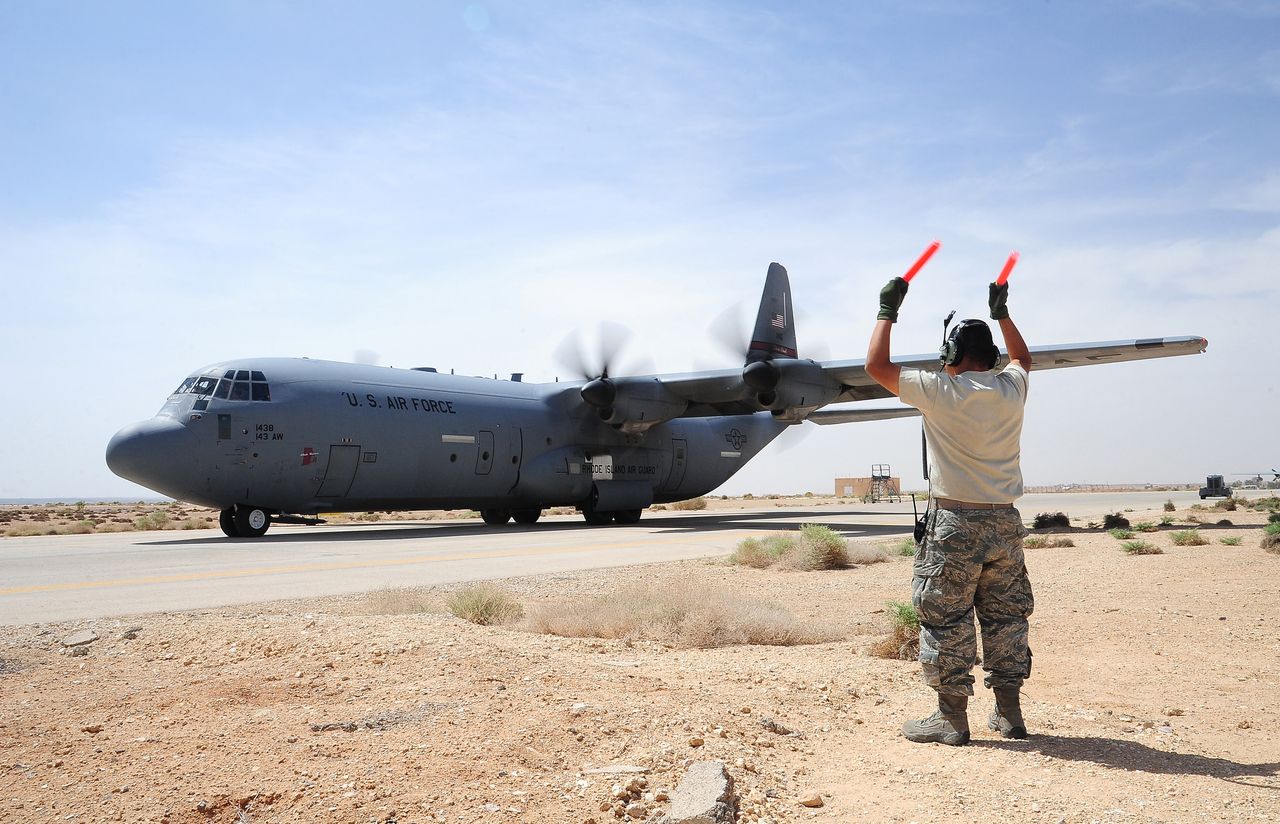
<point>595,518</point>
<point>495,517</point>
<point>227,520</point>
<point>251,522</point>
<point>627,516</point>
<point>527,516</point>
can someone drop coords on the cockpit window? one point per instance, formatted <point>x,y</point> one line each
<point>203,385</point>
<point>235,385</point>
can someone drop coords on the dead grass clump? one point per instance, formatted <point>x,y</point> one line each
<point>397,601</point>
<point>1141,548</point>
<point>819,547</point>
<point>1045,520</point>
<point>1265,503</point>
<point>863,554</point>
<point>1187,537</point>
<point>1115,521</point>
<point>762,553</point>
<point>692,504</point>
<point>1043,542</point>
<point>154,520</point>
<point>1169,507</point>
<point>903,642</point>
<point>1229,504</point>
<point>1271,543</point>
<point>681,615</point>
<point>485,604</point>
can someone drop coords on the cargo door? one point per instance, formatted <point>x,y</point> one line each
<point>344,460</point>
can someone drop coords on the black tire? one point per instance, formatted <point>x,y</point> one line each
<point>595,518</point>
<point>227,520</point>
<point>527,516</point>
<point>627,516</point>
<point>252,522</point>
<point>495,517</point>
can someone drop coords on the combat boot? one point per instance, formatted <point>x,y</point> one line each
<point>949,725</point>
<point>1006,718</point>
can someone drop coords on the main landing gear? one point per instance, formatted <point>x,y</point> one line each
<point>244,522</point>
<point>595,517</point>
<point>498,517</point>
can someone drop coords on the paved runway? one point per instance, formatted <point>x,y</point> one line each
<point>58,578</point>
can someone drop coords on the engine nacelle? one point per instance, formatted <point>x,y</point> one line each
<point>802,387</point>
<point>640,403</point>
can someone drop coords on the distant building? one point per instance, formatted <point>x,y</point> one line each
<point>884,487</point>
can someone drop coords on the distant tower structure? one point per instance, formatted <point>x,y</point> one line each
<point>884,487</point>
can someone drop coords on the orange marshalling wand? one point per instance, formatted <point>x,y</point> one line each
<point>1008,267</point>
<point>928,253</point>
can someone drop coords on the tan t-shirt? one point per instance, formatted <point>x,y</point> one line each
<point>973,424</point>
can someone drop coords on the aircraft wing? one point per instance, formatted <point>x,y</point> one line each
<point>798,389</point>
<point>722,392</point>
<point>852,374</point>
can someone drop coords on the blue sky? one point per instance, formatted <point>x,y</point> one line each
<point>464,184</point>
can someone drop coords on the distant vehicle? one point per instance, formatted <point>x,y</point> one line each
<point>1214,488</point>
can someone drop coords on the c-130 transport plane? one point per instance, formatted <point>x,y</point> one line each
<point>282,439</point>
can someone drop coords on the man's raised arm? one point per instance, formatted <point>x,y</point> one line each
<point>998,296</point>
<point>882,370</point>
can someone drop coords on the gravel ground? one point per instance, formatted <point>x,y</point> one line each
<point>1153,699</point>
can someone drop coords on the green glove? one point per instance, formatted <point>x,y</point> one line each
<point>998,295</point>
<point>891,298</point>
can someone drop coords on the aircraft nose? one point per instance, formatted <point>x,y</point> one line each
<point>152,453</point>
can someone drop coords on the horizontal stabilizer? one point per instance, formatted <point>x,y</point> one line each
<point>826,417</point>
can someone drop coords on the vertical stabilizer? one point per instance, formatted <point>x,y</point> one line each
<point>774,335</point>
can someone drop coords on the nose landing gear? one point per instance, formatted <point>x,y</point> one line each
<point>244,522</point>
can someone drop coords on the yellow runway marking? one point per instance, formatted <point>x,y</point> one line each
<point>373,564</point>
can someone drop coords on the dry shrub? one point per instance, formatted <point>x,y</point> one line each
<point>1115,521</point>
<point>1042,542</point>
<point>81,527</point>
<point>1265,503</point>
<point>762,553</point>
<point>1233,540</point>
<point>1169,507</point>
<point>1229,504</point>
<point>1271,543</point>
<point>397,601</point>
<point>485,604</point>
<point>815,547</point>
<point>1187,537</point>
<point>680,614</point>
<point>903,642</point>
<point>819,547</point>
<point>863,554</point>
<point>699,502</point>
<point>155,520</point>
<point>1045,520</point>
<point>23,530</point>
<point>1141,548</point>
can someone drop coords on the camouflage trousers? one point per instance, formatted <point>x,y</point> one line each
<point>970,562</point>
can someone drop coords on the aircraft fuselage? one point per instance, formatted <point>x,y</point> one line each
<point>318,436</point>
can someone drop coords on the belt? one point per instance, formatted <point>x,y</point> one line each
<point>951,503</point>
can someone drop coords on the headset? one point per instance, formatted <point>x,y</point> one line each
<point>955,344</point>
